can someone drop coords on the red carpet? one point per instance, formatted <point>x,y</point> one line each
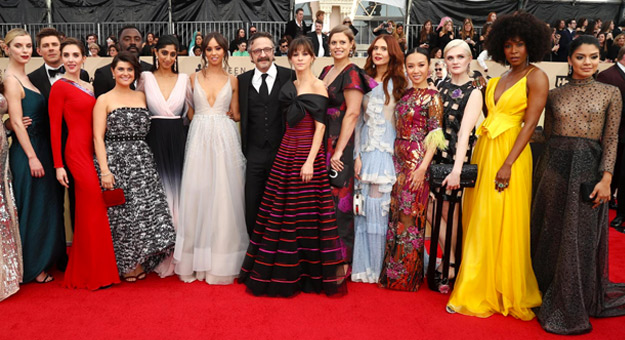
<point>169,309</point>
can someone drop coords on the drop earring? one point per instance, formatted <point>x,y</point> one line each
<point>156,63</point>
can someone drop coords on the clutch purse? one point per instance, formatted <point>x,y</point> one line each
<point>468,175</point>
<point>359,203</point>
<point>586,189</point>
<point>114,197</point>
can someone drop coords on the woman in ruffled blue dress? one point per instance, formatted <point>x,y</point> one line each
<point>373,154</point>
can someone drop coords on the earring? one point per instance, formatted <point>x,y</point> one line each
<point>570,70</point>
<point>527,60</point>
<point>156,63</point>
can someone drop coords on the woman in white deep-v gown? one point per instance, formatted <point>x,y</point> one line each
<point>212,239</point>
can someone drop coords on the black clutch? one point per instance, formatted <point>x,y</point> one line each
<point>339,179</point>
<point>468,175</point>
<point>585,189</point>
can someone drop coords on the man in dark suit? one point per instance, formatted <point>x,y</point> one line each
<point>49,48</point>
<point>566,37</point>
<point>615,75</point>
<point>130,40</point>
<point>297,26</point>
<point>319,40</point>
<point>262,122</point>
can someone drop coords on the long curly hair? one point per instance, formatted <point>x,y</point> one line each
<point>532,31</point>
<point>395,69</point>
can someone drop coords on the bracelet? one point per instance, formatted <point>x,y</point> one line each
<point>106,174</point>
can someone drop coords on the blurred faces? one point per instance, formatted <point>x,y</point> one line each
<point>299,15</point>
<point>199,40</point>
<point>241,33</point>
<point>301,60</point>
<point>572,24</point>
<point>380,54</point>
<point>340,46</point>
<point>113,50</point>
<point>318,27</point>
<point>124,73</point>
<point>620,41</point>
<point>428,26</point>
<point>449,26</point>
<point>91,39</point>
<point>457,60</point>
<point>417,68</point>
<point>214,53</point>
<point>166,57</point>
<point>49,50</point>
<point>515,51</point>
<point>130,40</point>
<point>584,61</point>
<point>73,59</point>
<point>20,49</point>
<point>261,51</point>
<point>438,71</point>
<point>242,47</point>
<point>601,38</point>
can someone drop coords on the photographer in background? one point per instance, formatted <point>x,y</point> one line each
<point>384,28</point>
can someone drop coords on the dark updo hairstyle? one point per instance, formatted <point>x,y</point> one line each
<point>583,40</point>
<point>221,41</point>
<point>301,42</point>
<point>163,41</point>
<point>130,58</point>
<point>73,41</point>
<point>419,50</point>
<point>533,32</point>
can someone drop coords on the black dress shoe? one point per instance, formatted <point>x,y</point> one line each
<point>616,222</point>
<point>613,204</point>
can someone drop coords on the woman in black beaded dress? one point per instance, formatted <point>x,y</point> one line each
<point>569,233</point>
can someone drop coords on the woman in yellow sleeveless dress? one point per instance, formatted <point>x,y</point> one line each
<point>496,273</point>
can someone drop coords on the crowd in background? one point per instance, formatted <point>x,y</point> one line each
<point>339,181</point>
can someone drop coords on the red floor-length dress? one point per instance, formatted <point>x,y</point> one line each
<point>92,262</point>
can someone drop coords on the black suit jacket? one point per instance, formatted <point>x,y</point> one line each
<point>103,80</point>
<point>293,30</point>
<point>315,42</point>
<point>40,79</point>
<point>615,76</point>
<point>284,75</point>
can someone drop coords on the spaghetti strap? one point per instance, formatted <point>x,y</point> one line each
<point>530,71</point>
<point>18,80</point>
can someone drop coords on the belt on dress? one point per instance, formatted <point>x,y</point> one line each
<point>124,138</point>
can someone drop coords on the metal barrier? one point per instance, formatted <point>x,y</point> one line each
<point>5,27</point>
<point>275,28</point>
<point>186,30</point>
<point>78,30</point>
<point>106,29</point>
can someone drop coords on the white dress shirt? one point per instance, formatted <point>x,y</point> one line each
<point>321,52</point>
<point>56,77</point>
<point>257,79</point>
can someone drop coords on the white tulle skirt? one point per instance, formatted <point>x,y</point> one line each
<point>212,238</point>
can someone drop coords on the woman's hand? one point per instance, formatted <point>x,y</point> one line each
<point>307,172</point>
<point>452,181</point>
<point>503,177</point>
<point>108,181</point>
<point>601,193</point>
<point>61,176</point>
<point>357,167</point>
<point>417,178</point>
<point>335,161</point>
<point>36,169</point>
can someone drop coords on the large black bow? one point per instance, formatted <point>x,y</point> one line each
<point>53,72</point>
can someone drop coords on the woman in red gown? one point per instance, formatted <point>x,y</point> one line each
<point>92,263</point>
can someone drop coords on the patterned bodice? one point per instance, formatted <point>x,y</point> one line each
<point>417,113</point>
<point>128,123</point>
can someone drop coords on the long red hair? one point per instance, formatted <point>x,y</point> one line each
<point>395,69</point>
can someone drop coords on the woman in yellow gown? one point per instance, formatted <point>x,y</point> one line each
<point>496,273</point>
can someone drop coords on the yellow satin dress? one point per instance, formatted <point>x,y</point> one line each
<point>496,274</point>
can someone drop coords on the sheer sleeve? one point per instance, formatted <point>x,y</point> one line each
<point>609,140</point>
<point>141,82</point>
<point>55,110</point>
<point>435,137</point>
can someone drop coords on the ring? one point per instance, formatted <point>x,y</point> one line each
<point>601,201</point>
<point>501,185</point>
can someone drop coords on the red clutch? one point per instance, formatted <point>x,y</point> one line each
<point>114,197</point>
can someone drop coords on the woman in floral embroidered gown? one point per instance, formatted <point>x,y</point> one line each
<point>418,117</point>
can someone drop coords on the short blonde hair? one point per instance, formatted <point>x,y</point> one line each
<point>94,45</point>
<point>458,43</point>
<point>14,33</point>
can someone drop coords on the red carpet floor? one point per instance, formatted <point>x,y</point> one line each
<point>169,309</point>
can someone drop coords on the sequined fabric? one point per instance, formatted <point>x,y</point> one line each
<point>142,228</point>
<point>418,113</point>
<point>10,244</point>
<point>569,239</point>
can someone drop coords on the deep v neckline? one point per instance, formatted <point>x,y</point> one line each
<point>337,76</point>
<point>217,96</point>
<point>495,102</point>
<point>173,89</point>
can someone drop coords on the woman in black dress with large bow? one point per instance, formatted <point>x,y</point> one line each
<point>295,243</point>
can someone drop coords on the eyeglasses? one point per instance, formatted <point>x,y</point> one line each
<point>438,69</point>
<point>284,46</point>
<point>346,22</point>
<point>252,32</point>
<point>258,51</point>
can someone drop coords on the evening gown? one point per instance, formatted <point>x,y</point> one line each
<point>295,245</point>
<point>496,273</point>
<point>212,235</point>
<point>351,77</point>
<point>167,139</point>
<point>569,237</point>
<point>142,230</point>
<point>92,257</point>
<point>418,120</point>
<point>374,138</point>
<point>39,200</point>
<point>10,244</point>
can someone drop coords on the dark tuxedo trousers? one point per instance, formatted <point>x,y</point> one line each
<point>259,152</point>
<point>616,77</point>
<point>39,78</point>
